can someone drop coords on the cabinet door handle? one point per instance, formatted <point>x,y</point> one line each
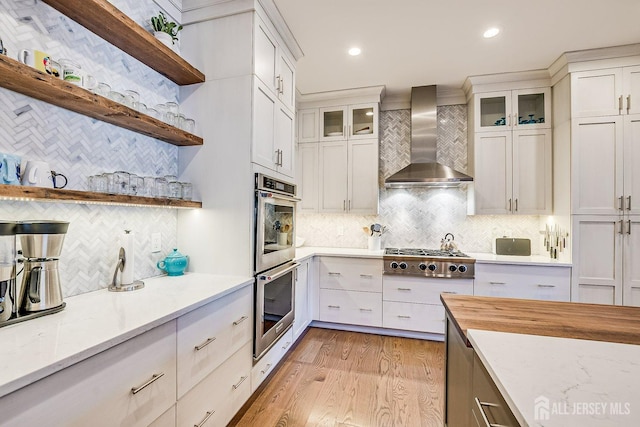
<point>620,203</point>
<point>235,386</point>
<point>367,276</point>
<point>510,210</point>
<point>628,203</point>
<point>629,227</point>
<point>344,205</point>
<point>508,119</point>
<point>400,316</point>
<point>266,368</point>
<point>154,378</point>
<point>620,104</point>
<point>405,289</point>
<point>497,283</point>
<point>366,309</point>
<point>448,292</point>
<point>349,204</point>
<point>205,419</point>
<point>204,344</point>
<point>621,227</point>
<point>240,320</point>
<point>516,209</point>
<point>333,306</point>
<point>629,104</point>
<point>482,413</point>
<point>540,285</point>
<point>332,273</point>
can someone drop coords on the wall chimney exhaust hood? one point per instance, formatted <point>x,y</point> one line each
<point>424,170</point>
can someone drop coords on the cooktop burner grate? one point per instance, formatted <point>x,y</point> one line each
<point>425,252</point>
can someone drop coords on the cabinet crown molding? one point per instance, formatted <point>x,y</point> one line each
<point>341,97</point>
<point>506,81</point>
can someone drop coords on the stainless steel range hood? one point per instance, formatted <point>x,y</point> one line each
<point>424,170</point>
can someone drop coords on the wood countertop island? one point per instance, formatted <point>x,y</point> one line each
<point>594,322</point>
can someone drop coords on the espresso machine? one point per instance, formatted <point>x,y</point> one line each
<point>41,243</point>
<point>7,270</point>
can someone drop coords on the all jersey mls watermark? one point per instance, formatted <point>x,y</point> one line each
<point>544,409</point>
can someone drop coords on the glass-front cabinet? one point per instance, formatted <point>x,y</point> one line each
<point>513,110</point>
<point>349,122</point>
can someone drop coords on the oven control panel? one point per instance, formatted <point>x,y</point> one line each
<point>445,268</point>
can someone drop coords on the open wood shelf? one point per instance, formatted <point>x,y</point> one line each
<point>18,192</point>
<point>21,78</point>
<point>109,23</point>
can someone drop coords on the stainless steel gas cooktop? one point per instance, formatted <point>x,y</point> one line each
<point>428,263</point>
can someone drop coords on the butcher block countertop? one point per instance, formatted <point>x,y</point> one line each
<point>548,318</point>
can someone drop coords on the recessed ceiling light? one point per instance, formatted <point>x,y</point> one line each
<point>354,51</point>
<point>491,32</point>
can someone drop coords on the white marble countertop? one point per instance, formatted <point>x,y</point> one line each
<point>305,252</point>
<point>563,382</point>
<point>95,321</point>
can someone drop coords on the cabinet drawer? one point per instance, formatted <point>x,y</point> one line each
<point>168,419</point>
<point>209,335</point>
<point>105,390</point>
<point>422,289</point>
<point>266,364</point>
<point>219,396</point>
<point>356,308</point>
<point>352,274</point>
<point>413,317</point>
<point>488,400</point>
<point>531,282</point>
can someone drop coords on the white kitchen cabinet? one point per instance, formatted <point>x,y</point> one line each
<point>211,334</point>
<point>512,173</point>
<point>512,110</point>
<point>216,399</point>
<point>308,125</point>
<point>348,179</point>
<point>347,122</point>
<point>302,316</point>
<point>413,303</point>
<point>353,274</point>
<point>605,92</point>
<point>130,384</point>
<point>308,183</point>
<point>270,359</point>
<point>168,419</point>
<point>273,132</point>
<point>523,281</point>
<point>605,254</point>
<point>351,307</point>
<point>273,67</point>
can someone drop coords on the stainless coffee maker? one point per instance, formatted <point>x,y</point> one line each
<point>41,243</point>
<point>7,270</point>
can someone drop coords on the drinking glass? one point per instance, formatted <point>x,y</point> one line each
<point>111,187</point>
<point>131,98</point>
<point>161,188</point>
<point>71,71</point>
<point>189,125</point>
<point>121,182</point>
<point>175,190</point>
<point>148,187</point>
<point>103,89</point>
<point>116,96</point>
<point>162,111</point>
<point>187,190</point>
<point>134,184</point>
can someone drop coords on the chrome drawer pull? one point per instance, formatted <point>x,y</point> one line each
<point>367,276</point>
<point>333,306</point>
<point>154,378</point>
<point>449,292</point>
<point>284,347</point>
<point>240,320</point>
<point>206,418</point>
<point>333,274</point>
<point>366,309</point>
<point>204,344</point>
<point>266,368</point>
<point>235,386</point>
<point>540,285</point>
<point>497,283</point>
<point>404,317</point>
<point>482,413</point>
<point>405,289</point>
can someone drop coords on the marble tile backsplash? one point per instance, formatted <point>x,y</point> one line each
<point>78,146</point>
<point>420,217</point>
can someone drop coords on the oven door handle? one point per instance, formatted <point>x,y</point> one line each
<point>269,277</point>
<point>267,194</point>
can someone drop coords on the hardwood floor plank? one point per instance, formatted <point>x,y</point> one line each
<point>347,379</point>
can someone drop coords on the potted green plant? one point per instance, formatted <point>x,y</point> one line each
<point>165,31</point>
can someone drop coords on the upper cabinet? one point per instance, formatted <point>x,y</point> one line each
<point>348,122</point>
<point>273,142</point>
<point>513,110</point>
<point>607,92</point>
<point>273,66</point>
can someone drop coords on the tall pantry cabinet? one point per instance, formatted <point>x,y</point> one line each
<point>597,137</point>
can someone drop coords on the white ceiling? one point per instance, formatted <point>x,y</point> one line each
<point>409,43</point>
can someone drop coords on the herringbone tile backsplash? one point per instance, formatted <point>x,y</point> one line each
<point>420,218</point>
<point>78,146</point>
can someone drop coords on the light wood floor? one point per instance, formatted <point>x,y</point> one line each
<point>343,379</point>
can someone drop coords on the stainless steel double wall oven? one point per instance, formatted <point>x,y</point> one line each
<point>274,268</point>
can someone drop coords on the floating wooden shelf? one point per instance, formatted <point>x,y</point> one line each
<point>106,21</point>
<point>17,192</point>
<point>21,78</point>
